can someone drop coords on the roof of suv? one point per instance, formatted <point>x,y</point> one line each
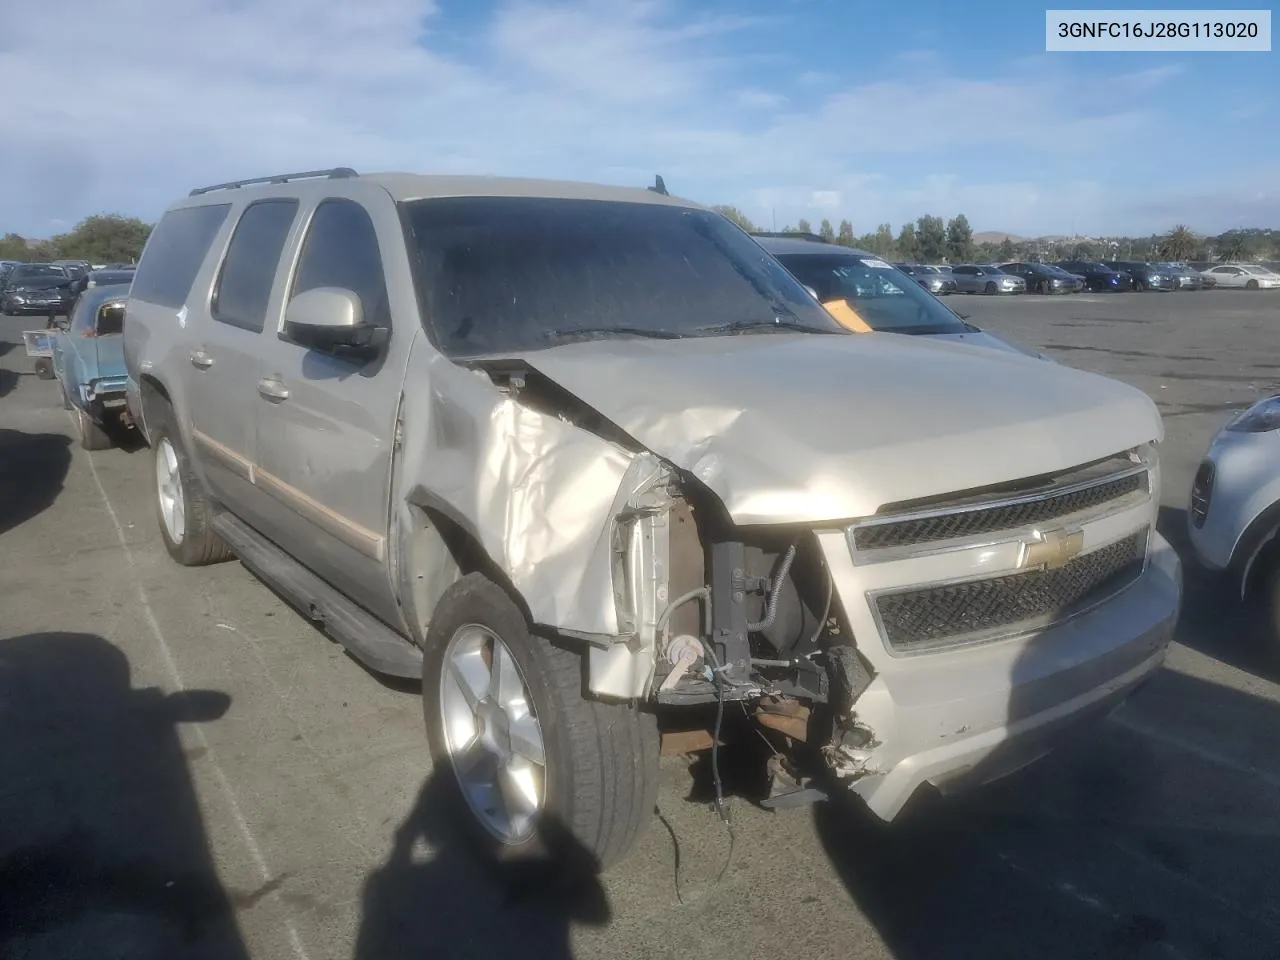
<point>412,186</point>
<point>776,245</point>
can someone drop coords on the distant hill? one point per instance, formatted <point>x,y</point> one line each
<point>995,236</point>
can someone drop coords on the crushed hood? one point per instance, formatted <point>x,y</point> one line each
<point>791,428</point>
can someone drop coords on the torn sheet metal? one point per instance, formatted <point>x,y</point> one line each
<point>792,428</point>
<point>539,494</point>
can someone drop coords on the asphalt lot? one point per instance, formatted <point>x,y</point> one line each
<point>187,769</point>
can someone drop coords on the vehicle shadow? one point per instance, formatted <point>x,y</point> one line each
<point>1150,837</point>
<point>102,847</point>
<point>434,897</point>
<point>9,381</point>
<point>33,467</point>
<point>1215,621</point>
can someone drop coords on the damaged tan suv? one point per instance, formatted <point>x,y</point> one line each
<point>580,455</point>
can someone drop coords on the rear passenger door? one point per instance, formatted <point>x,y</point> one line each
<point>326,421</point>
<point>222,367</point>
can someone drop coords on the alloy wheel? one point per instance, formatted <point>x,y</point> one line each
<point>173,507</point>
<point>492,733</point>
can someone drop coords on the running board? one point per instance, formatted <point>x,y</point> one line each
<point>365,637</point>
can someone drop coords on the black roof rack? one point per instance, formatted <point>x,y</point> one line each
<point>337,173</point>
<point>790,235</point>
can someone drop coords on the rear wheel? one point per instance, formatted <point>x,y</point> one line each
<point>536,772</point>
<point>182,505</point>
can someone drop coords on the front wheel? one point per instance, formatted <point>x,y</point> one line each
<point>1251,285</point>
<point>991,289</point>
<point>537,772</point>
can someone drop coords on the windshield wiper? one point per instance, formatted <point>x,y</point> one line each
<point>601,333</point>
<point>777,323</point>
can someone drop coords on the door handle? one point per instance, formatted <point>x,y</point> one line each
<point>274,390</point>
<point>201,359</point>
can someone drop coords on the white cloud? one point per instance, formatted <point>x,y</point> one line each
<point>199,91</point>
<point>753,97</point>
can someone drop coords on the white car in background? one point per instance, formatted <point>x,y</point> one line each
<point>1234,513</point>
<point>1247,276</point>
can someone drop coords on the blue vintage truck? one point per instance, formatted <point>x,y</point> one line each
<point>87,357</point>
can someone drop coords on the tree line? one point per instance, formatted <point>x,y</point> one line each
<point>930,239</point>
<point>113,238</point>
<point>102,238</point>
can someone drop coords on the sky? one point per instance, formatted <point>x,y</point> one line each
<point>874,112</point>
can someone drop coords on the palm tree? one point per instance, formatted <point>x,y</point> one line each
<point>1231,246</point>
<point>1180,243</point>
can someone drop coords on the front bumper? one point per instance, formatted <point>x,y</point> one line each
<point>28,307</point>
<point>966,716</point>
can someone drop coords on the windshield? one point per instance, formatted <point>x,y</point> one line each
<point>38,271</point>
<point>504,274</point>
<point>1256,271</point>
<point>882,296</point>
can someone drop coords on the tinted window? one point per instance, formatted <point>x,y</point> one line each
<point>174,252</point>
<point>882,296</point>
<point>341,250</point>
<point>244,283</point>
<point>521,273</point>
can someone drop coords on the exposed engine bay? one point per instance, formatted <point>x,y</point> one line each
<point>715,613</point>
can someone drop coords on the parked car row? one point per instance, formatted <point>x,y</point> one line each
<point>51,289</point>
<point>1099,276</point>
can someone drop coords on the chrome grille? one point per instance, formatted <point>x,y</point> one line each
<point>1010,514</point>
<point>947,614</point>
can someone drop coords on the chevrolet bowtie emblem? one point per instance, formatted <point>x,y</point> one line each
<point>1051,549</point>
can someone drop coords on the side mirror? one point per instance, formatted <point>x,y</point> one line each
<point>331,317</point>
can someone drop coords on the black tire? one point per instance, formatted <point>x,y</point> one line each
<point>1251,285</point>
<point>1266,601</point>
<point>198,545</point>
<point>601,758</point>
<point>991,289</point>
<point>92,435</point>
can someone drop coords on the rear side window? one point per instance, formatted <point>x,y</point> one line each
<point>341,250</point>
<point>174,252</point>
<point>110,319</point>
<point>244,282</point>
